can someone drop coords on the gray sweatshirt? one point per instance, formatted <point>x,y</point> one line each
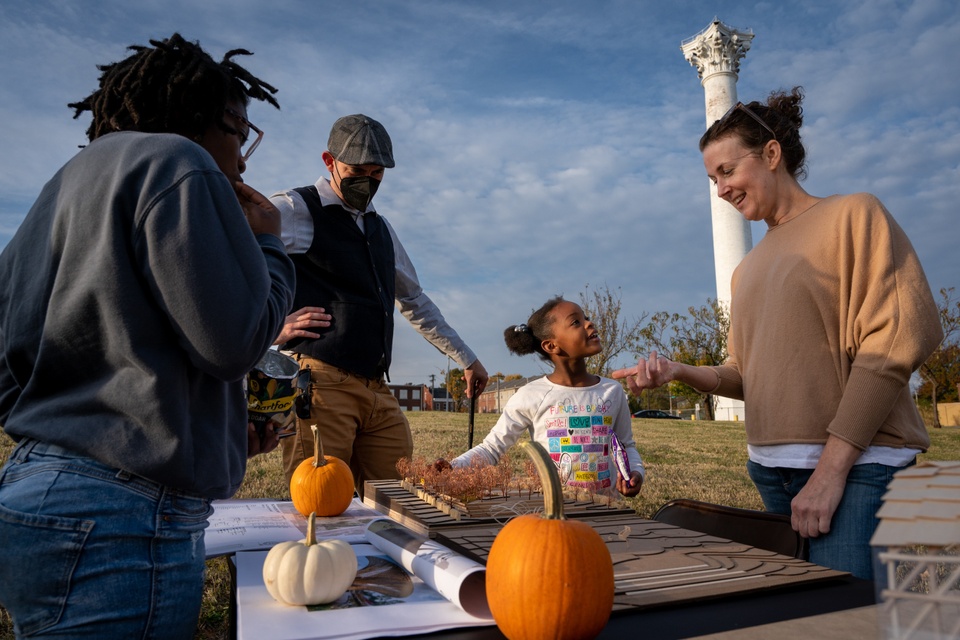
<point>133,300</point>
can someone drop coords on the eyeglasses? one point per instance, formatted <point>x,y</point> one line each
<point>742,107</point>
<point>247,147</point>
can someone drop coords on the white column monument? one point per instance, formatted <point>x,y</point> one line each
<point>716,52</point>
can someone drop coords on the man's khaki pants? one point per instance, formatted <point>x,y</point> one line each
<point>359,421</point>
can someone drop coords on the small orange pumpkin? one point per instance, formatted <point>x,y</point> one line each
<point>323,484</point>
<point>549,577</point>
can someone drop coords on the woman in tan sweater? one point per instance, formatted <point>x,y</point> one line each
<point>830,314</point>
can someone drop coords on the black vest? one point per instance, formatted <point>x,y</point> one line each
<point>352,274</point>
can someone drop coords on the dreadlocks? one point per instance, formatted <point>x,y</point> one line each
<point>175,87</point>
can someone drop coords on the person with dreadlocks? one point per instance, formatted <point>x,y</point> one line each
<point>144,283</point>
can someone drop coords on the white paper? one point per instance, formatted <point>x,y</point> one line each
<point>458,579</point>
<point>245,525</point>
<point>351,617</point>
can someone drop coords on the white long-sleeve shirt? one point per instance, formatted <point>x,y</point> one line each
<point>572,423</point>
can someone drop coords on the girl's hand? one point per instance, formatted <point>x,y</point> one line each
<point>631,487</point>
<point>299,323</point>
<point>441,465</point>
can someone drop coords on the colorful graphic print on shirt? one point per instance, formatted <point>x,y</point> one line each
<point>578,439</point>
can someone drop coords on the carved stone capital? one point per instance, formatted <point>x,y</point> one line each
<point>717,49</point>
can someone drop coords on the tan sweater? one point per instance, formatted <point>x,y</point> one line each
<point>830,314</point>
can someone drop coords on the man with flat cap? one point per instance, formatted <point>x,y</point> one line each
<point>351,271</point>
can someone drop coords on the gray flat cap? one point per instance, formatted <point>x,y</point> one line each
<point>358,139</point>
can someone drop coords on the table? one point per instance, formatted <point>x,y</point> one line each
<point>850,624</point>
<point>727,615</point>
<point>655,564</point>
<point>673,582</point>
<point>720,615</point>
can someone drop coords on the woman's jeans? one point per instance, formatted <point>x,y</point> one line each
<point>847,546</point>
<point>94,552</point>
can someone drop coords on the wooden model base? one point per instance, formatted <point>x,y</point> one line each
<point>426,513</point>
<point>657,564</point>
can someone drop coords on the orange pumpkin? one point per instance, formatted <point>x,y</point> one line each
<point>323,484</point>
<point>549,577</point>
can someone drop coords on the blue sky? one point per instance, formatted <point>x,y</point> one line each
<point>541,147</point>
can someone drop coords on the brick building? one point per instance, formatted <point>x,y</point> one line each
<point>412,397</point>
<point>495,396</point>
<point>420,397</point>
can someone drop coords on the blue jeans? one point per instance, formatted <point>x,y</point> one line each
<point>91,551</point>
<point>847,546</point>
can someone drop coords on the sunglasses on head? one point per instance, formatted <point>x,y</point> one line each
<point>742,107</point>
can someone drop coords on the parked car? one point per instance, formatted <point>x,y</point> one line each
<point>654,413</point>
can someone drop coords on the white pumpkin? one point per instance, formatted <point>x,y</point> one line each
<point>308,572</point>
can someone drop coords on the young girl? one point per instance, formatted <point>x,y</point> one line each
<point>571,412</point>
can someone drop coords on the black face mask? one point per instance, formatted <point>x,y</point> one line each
<point>358,191</point>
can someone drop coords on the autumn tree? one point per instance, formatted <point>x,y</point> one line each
<point>457,389</point>
<point>619,335</point>
<point>698,338</point>
<point>941,371</point>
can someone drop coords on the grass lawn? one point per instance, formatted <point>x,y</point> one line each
<point>684,459</point>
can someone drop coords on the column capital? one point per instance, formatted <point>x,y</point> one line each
<point>717,49</point>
